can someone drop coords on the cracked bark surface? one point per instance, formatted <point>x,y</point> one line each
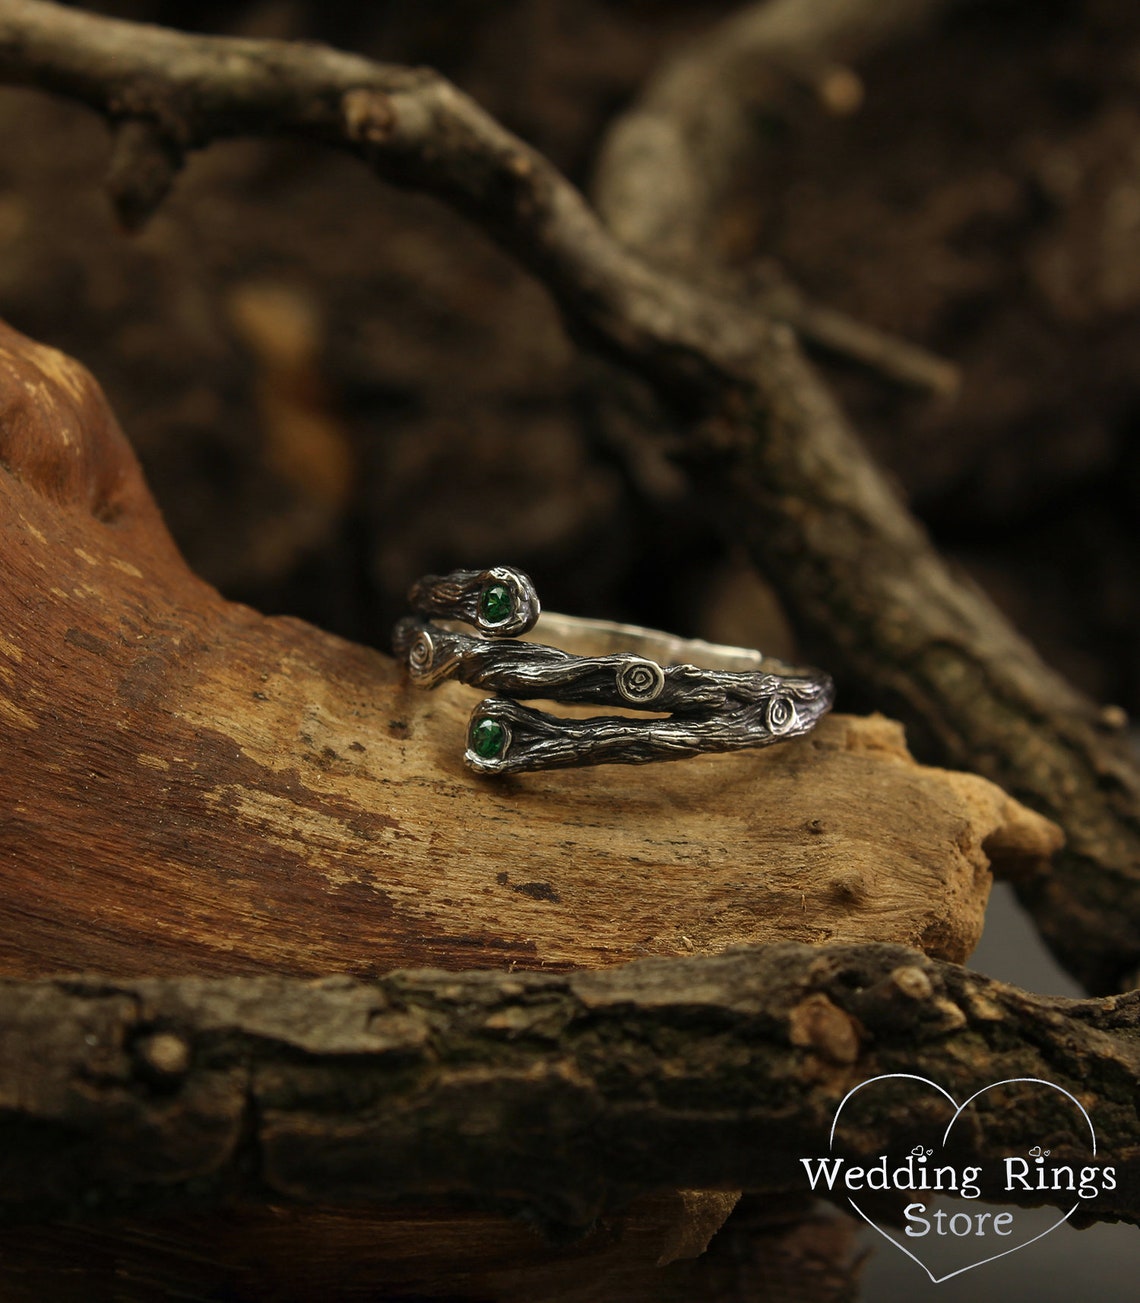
<point>558,1096</point>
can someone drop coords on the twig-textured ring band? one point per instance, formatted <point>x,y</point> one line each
<point>704,697</point>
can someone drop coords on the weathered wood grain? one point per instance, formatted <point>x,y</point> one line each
<point>193,787</point>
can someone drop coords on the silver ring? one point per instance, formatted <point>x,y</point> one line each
<point>706,697</point>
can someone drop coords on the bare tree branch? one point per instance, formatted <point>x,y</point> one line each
<point>855,570</point>
<point>835,332</point>
<point>415,129</point>
<point>559,1096</point>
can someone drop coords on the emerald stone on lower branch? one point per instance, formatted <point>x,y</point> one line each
<point>496,604</point>
<point>488,738</point>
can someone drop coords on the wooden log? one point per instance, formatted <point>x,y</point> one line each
<point>553,1096</point>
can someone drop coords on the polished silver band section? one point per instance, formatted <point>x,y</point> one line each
<point>575,633</point>
<point>717,698</point>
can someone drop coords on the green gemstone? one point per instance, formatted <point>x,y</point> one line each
<point>496,604</point>
<point>488,738</point>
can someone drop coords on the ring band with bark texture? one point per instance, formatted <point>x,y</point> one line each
<point>705,697</point>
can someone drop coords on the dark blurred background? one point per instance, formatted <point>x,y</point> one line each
<point>335,386</point>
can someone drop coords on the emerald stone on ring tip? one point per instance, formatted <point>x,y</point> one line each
<point>488,738</point>
<point>496,604</point>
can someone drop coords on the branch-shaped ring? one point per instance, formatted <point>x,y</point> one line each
<point>733,699</point>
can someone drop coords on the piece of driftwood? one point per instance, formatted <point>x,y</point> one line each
<point>857,573</point>
<point>192,787</point>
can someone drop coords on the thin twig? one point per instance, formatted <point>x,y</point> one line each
<point>836,332</point>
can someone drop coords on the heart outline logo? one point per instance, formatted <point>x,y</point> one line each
<point>958,1110</point>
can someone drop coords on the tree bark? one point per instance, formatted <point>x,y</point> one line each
<point>556,1096</point>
